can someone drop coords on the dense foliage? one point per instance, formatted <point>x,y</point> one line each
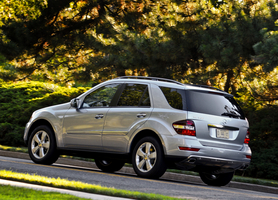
<point>206,42</point>
<point>19,100</point>
<point>264,143</point>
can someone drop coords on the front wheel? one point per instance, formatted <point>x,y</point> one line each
<point>148,158</point>
<point>216,179</point>
<point>109,165</point>
<point>42,146</point>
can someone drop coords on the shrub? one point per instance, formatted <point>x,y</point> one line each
<point>19,100</point>
<point>264,143</point>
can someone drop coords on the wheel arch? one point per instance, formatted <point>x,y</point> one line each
<point>39,123</point>
<point>145,133</point>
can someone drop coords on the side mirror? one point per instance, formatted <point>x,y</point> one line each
<point>74,103</point>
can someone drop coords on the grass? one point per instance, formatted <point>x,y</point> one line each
<point>80,186</point>
<point>265,182</point>
<point>16,149</point>
<point>9,193</point>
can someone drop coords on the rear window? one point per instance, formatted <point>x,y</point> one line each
<point>213,103</point>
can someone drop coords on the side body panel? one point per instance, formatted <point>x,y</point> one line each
<point>83,128</point>
<point>53,115</point>
<point>119,123</point>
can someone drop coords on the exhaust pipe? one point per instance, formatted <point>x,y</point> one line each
<point>191,160</point>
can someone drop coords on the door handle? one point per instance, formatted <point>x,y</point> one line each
<point>99,116</point>
<point>141,115</point>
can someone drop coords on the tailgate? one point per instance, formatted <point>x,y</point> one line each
<point>218,118</point>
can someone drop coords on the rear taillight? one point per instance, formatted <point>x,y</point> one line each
<point>247,156</point>
<point>247,139</point>
<point>185,127</point>
<point>188,149</point>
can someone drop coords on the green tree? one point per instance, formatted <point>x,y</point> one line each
<point>267,50</point>
<point>51,35</point>
<point>193,41</point>
<point>204,42</point>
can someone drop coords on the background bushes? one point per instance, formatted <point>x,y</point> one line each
<point>19,100</point>
<point>264,143</point>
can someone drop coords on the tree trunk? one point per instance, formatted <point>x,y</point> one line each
<point>230,76</point>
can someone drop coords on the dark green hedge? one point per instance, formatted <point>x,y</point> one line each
<point>19,100</point>
<point>264,143</point>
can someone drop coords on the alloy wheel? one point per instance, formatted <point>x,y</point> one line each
<point>40,144</point>
<point>146,157</point>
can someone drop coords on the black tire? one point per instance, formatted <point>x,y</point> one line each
<point>148,158</point>
<point>42,146</point>
<point>216,179</point>
<point>109,165</point>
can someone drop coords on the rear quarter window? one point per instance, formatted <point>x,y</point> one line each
<point>175,97</point>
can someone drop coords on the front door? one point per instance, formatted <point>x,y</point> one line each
<point>83,127</point>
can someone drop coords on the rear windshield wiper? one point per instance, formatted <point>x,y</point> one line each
<point>230,115</point>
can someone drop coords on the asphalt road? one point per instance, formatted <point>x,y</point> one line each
<point>131,182</point>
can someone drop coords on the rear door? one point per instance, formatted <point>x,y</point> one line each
<point>132,110</point>
<point>218,118</point>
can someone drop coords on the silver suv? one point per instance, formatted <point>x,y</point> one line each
<point>153,123</point>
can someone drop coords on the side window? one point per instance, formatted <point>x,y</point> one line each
<point>175,97</point>
<point>101,97</point>
<point>135,95</point>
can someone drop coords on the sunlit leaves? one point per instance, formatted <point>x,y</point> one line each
<point>18,10</point>
<point>204,42</point>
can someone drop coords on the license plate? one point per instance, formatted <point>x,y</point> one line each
<point>222,133</point>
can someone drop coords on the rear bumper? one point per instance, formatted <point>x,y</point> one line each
<point>202,158</point>
<point>211,164</point>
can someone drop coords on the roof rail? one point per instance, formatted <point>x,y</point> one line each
<point>167,80</point>
<point>207,86</point>
<point>150,78</point>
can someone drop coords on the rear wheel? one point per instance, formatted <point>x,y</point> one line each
<point>216,179</point>
<point>42,146</point>
<point>148,158</point>
<point>109,165</point>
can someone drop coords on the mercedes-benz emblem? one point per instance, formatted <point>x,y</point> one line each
<point>224,122</point>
